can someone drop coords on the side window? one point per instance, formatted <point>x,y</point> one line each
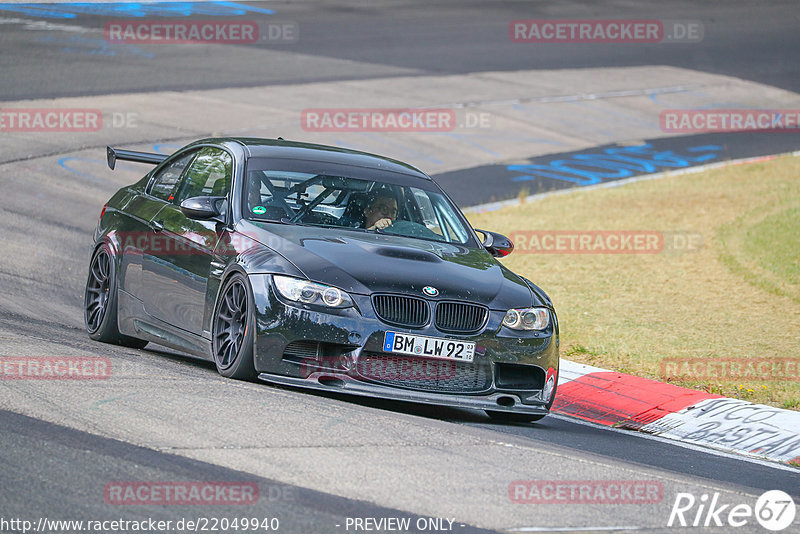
<point>449,224</point>
<point>427,212</point>
<point>208,175</point>
<point>257,192</point>
<point>164,184</point>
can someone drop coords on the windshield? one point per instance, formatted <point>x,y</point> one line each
<point>353,204</point>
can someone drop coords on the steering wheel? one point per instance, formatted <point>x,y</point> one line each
<point>411,229</point>
<point>316,217</point>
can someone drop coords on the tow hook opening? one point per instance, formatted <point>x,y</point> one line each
<point>508,402</point>
<point>326,380</point>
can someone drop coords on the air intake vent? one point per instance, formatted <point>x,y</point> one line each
<point>517,376</point>
<point>425,374</point>
<point>460,317</point>
<point>401,311</point>
<point>299,350</point>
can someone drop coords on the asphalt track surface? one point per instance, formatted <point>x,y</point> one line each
<point>57,450</point>
<point>166,417</point>
<point>541,174</point>
<point>746,39</point>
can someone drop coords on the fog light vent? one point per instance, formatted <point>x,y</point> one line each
<point>298,350</point>
<point>517,376</point>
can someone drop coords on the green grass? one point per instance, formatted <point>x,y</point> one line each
<point>763,246</point>
<point>775,241</point>
<point>735,296</point>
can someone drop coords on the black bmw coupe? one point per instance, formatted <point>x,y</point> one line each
<point>318,267</point>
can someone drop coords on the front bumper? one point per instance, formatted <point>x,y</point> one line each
<point>357,335</point>
<point>342,383</point>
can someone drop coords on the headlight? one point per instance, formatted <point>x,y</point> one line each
<point>527,318</point>
<point>307,292</point>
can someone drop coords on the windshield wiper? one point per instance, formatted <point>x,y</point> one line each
<point>323,225</point>
<point>282,220</point>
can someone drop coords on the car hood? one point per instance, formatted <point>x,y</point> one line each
<point>366,263</point>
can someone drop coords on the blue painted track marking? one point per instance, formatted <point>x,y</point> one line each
<point>65,163</point>
<point>171,147</point>
<point>614,163</point>
<point>70,10</point>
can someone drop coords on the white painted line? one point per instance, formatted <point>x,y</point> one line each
<point>712,425</point>
<point>691,427</point>
<point>674,441</point>
<point>568,370</point>
<point>571,529</point>
<point>577,97</point>
<point>97,1</point>
<point>735,425</point>
<point>44,25</point>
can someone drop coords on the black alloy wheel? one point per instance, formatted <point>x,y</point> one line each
<point>100,302</point>
<point>234,326</point>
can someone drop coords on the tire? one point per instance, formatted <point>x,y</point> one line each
<point>510,417</point>
<point>100,302</point>
<point>233,330</point>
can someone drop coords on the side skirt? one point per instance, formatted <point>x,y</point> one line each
<point>134,321</point>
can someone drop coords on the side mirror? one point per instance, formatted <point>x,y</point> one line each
<point>203,208</point>
<point>496,244</point>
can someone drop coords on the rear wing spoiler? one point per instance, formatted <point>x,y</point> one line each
<point>113,154</point>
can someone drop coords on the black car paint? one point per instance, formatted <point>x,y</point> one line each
<point>170,298</point>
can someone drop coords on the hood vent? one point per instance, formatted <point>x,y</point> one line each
<point>408,254</point>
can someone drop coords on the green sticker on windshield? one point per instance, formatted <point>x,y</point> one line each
<point>259,210</point>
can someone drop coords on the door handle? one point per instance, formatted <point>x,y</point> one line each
<point>157,226</point>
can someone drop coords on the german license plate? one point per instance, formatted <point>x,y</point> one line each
<point>429,347</point>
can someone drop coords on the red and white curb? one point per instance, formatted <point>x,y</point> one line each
<point>688,415</point>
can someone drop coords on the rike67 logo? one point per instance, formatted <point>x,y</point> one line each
<point>774,510</point>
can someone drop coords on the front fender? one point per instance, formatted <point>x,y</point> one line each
<point>237,253</point>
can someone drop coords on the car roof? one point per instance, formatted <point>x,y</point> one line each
<point>282,149</point>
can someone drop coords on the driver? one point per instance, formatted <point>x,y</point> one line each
<point>381,210</point>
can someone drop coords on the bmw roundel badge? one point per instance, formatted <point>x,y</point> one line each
<point>430,291</point>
